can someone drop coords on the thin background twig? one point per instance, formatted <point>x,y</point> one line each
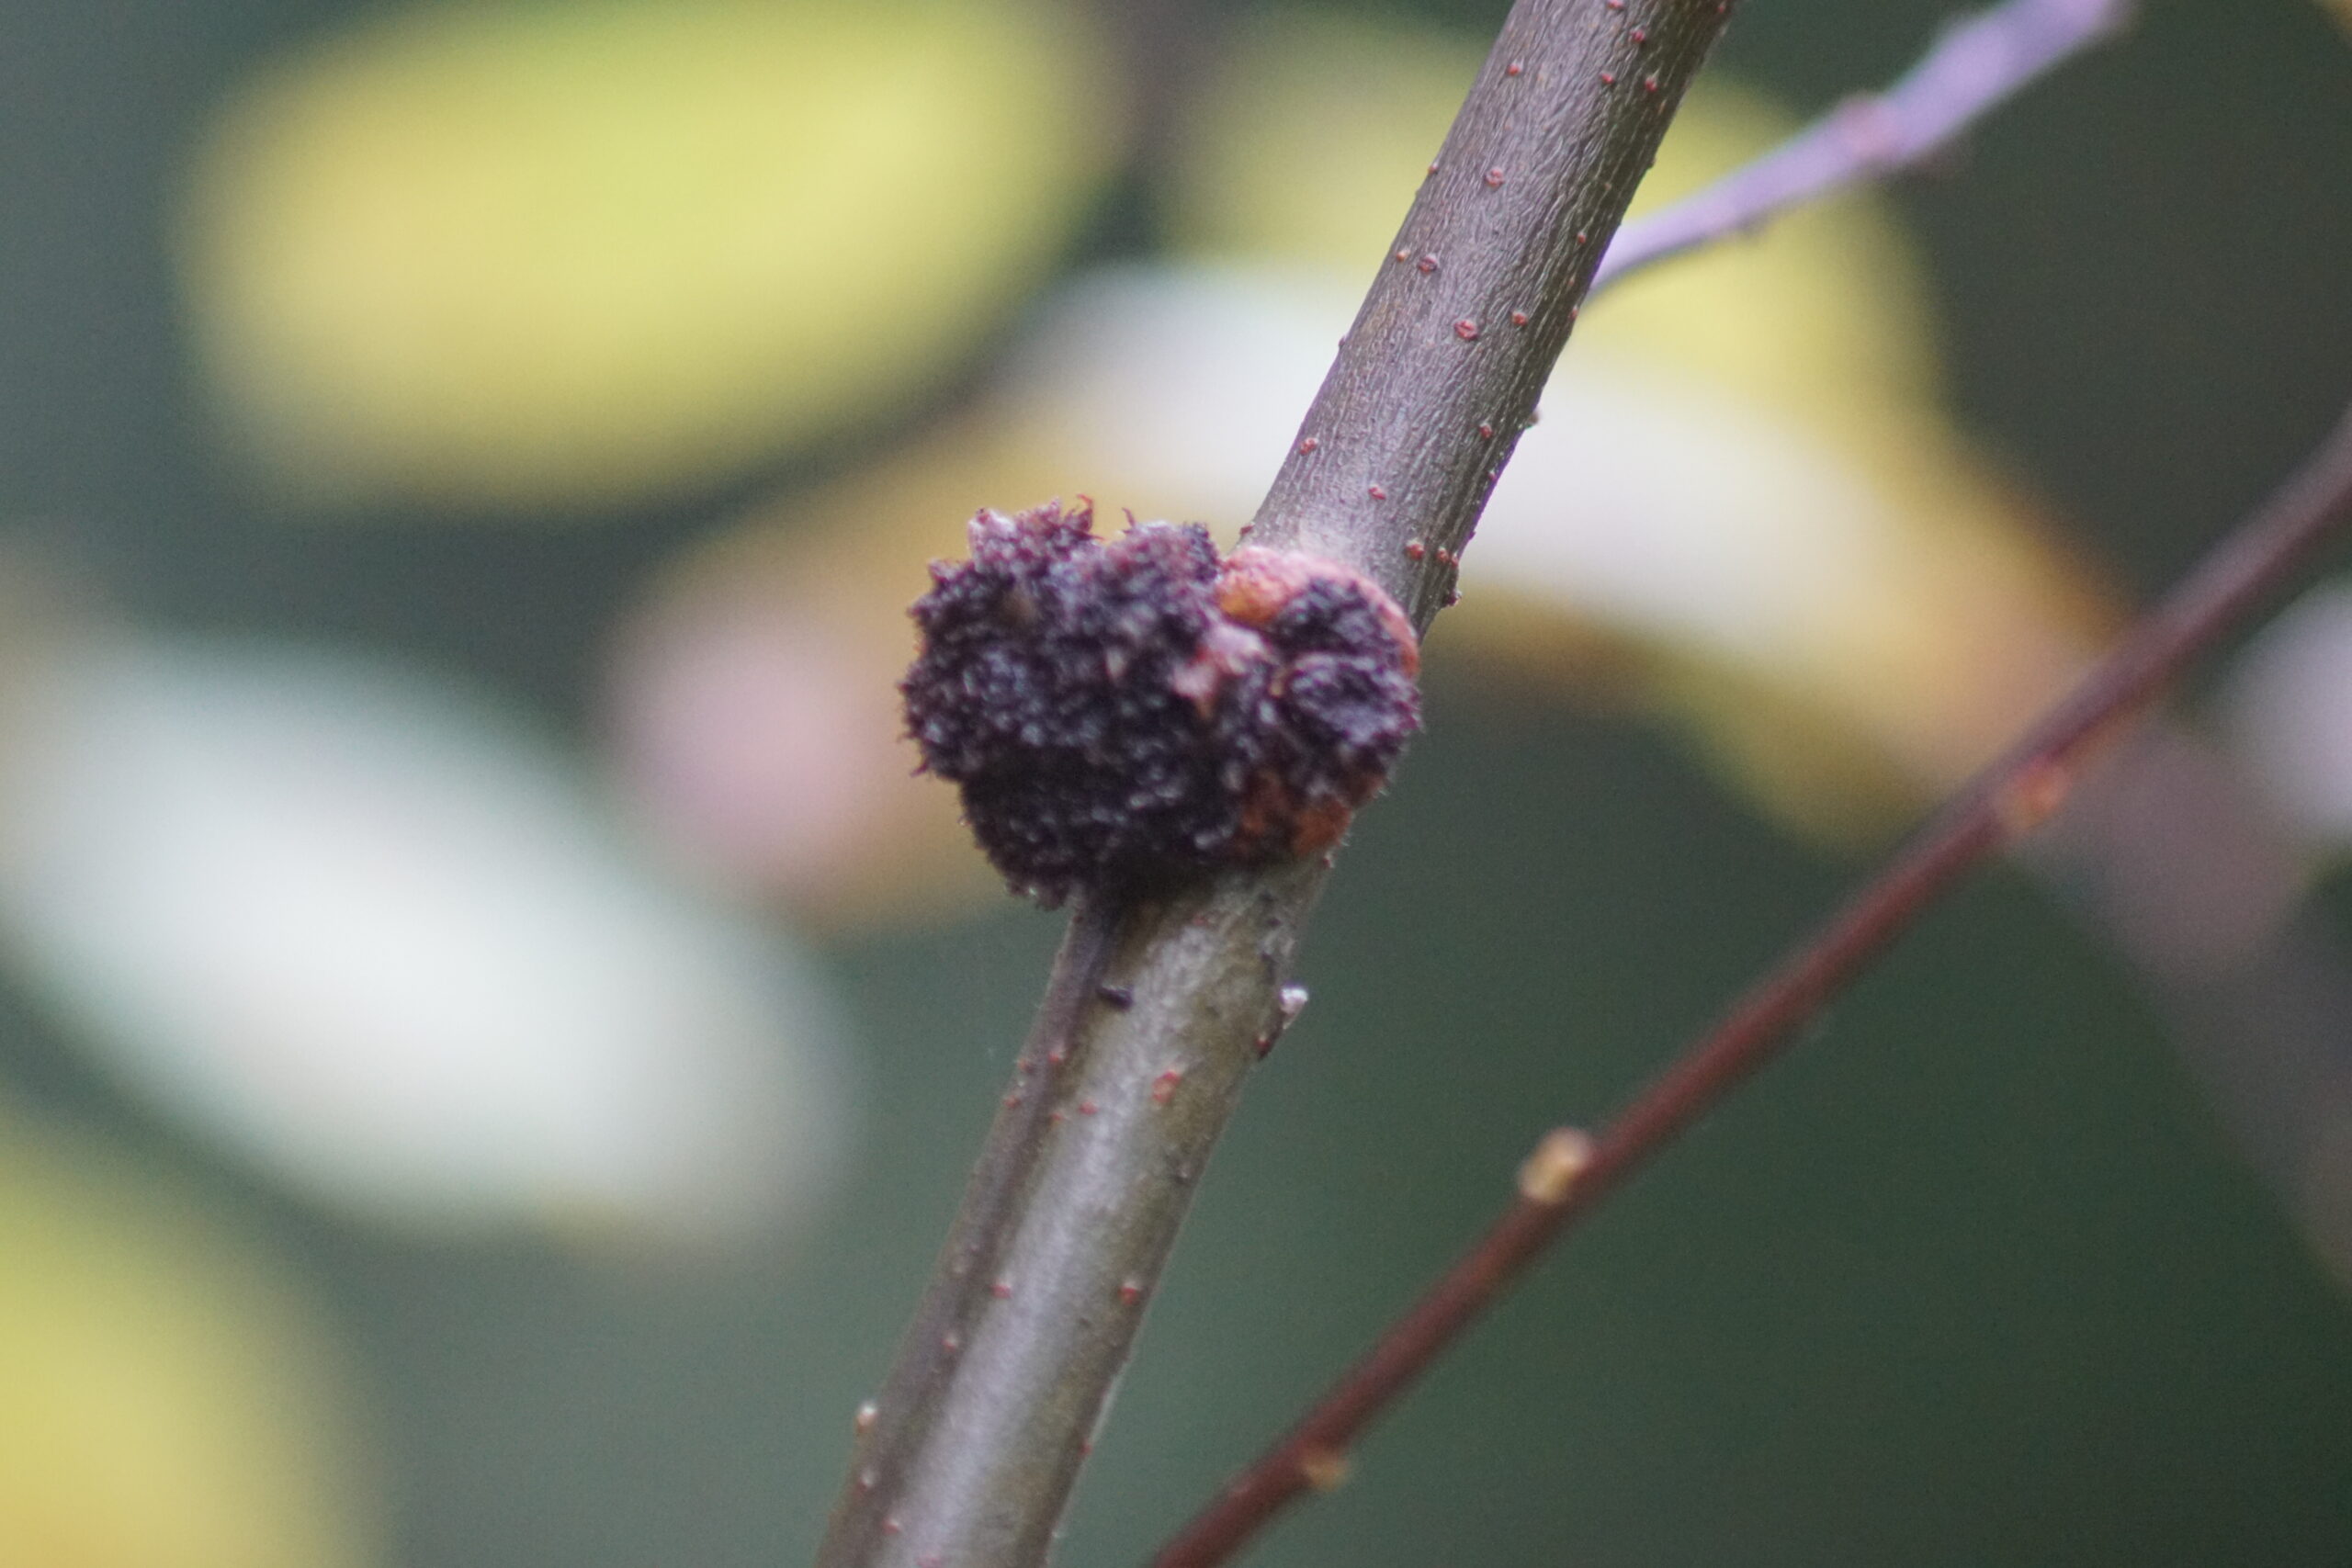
<point>1979,64</point>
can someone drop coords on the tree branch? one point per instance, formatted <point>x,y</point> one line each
<point>1568,1176</point>
<point>1977,66</point>
<point>1129,1076</point>
<point>970,1451</point>
<point>1440,374</point>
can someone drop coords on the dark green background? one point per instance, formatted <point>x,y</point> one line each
<point>1972,1280</point>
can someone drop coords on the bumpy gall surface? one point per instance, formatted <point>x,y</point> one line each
<point>1123,714</point>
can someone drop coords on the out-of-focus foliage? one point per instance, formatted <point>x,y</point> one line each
<point>1309,140</point>
<point>376,938</point>
<point>166,1400</point>
<point>534,255</point>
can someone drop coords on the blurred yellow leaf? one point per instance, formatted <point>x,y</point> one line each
<point>548,255</point>
<point>164,1402</point>
<point>1312,137</point>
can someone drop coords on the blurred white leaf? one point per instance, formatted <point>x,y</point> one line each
<point>370,935</point>
<point>2289,703</point>
<point>1187,383</point>
<point>1180,384</point>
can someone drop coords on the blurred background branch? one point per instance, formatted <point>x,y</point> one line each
<point>1978,64</point>
<point>1564,1180</point>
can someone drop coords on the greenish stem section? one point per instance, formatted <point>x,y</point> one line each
<point>1156,1013</point>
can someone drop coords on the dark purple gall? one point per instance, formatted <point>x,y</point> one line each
<point>1127,714</point>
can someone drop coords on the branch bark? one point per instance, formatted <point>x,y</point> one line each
<point>1157,1011</point>
<point>1148,1026</point>
<point>1439,376</point>
<point>1568,1176</point>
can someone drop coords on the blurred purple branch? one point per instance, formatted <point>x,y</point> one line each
<point>1568,1177</point>
<point>2175,848</point>
<point>1976,67</point>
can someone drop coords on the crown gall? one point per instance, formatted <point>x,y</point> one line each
<point>1123,714</point>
